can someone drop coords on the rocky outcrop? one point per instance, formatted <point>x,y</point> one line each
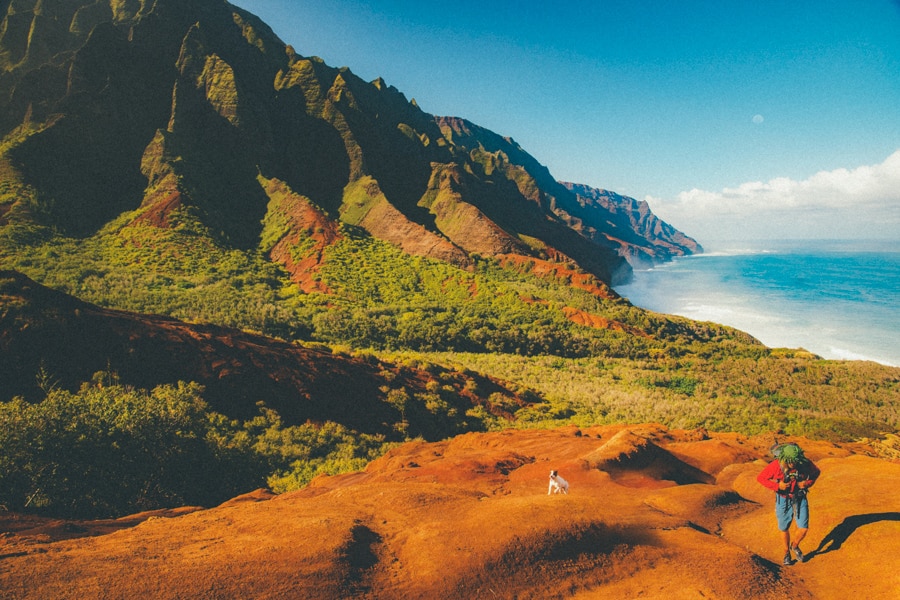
<point>448,198</point>
<point>377,215</point>
<point>296,234</point>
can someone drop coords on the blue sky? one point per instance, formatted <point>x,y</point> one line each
<point>748,118</point>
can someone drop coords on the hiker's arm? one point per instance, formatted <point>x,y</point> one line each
<point>812,474</point>
<point>769,477</point>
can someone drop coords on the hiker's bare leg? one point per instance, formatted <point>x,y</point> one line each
<point>786,536</point>
<point>801,533</point>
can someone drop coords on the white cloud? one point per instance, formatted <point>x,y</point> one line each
<point>860,203</point>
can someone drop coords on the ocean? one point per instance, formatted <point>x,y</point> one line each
<point>838,299</point>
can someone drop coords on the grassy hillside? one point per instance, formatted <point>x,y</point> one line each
<point>772,391</point>
<point>623,364</point>
<point>380,297</point>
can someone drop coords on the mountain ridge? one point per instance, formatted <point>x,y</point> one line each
<point>148,106</point>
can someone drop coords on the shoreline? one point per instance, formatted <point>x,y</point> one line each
<point>833,298</point>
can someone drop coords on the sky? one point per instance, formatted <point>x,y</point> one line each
<point>738,119</point>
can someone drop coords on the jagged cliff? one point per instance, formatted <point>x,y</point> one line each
<point>149,106</point>
<point>643,238</point>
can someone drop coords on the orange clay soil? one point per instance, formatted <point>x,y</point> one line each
<point>651,513</point>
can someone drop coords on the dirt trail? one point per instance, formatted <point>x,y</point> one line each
<point>651,513</point>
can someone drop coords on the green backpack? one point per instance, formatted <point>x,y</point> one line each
<point>788,451</point>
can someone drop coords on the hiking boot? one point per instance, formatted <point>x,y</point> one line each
<point>800,557</point>
<point>787,559</point>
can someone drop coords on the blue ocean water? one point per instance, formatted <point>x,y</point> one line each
<point>838,299</point>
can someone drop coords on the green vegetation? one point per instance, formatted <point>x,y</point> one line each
<point>358,200</point>
<point>382,298</point>
<point>110,450</point>
<point>776,391</point>
<point>180,272</point>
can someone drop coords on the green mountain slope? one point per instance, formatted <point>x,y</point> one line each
<point>144,107</point>
<point>178,158</point>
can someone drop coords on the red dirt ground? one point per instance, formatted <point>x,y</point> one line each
<point>651,513</point>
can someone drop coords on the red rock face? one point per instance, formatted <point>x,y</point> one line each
<point>386,222</point>
<point>562,270</point>
<point>161,206</point>
<point>598,322</point>
<point>651,512</point>
<point>315,225</point>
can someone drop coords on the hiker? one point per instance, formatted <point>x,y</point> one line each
<point>790,476</point>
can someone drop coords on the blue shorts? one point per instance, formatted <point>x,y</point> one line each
<point>788,509</point>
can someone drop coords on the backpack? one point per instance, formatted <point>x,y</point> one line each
<point>788,450</point>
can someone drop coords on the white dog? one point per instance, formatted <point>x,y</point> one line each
<point>557,484</point>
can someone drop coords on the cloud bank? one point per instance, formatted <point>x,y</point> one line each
<point>862,203</point>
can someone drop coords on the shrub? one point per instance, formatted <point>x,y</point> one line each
<point>110,450</point>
